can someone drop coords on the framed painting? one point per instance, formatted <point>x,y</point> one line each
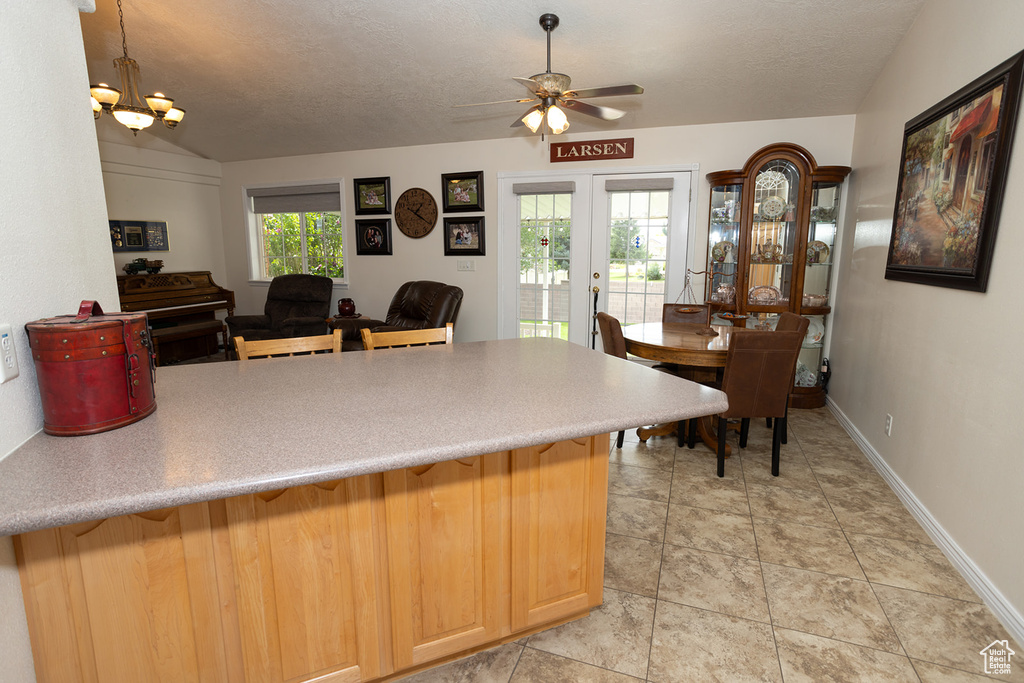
<point>463,191</point>
<point>138,235</point>
<point>373,237</point>
<point>464,236</point>
<point>952,179</point>
<point>373,196</point>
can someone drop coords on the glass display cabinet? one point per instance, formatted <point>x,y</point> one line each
<point>771,239</point>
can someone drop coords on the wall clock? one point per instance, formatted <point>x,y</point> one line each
<point>416,212</point>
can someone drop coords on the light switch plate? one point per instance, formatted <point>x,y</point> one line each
<point>8,355</point>
<point>465,265</point>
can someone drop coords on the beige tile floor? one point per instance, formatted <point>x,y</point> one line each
<point>818,575</point>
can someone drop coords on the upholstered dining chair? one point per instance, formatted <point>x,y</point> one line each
<point>758,378</point>
<point>264,348</point>
<point>615,345</point>
<point>787,322</point>
<point>382,340</point>
<point>684,313</point>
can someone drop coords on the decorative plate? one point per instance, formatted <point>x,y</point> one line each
<point>817,252</point>
<point>764,295</point>
<point>722,252</point>
<point>773,207</point>
<point>815,332</point>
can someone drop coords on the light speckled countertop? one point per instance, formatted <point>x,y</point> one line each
<point>225,429</point>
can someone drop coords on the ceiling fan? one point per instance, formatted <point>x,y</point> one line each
<point>549,90</point>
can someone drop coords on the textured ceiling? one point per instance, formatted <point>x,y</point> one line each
<point>270,78</point>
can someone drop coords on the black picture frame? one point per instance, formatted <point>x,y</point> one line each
<point>138,236</point>
<point>462,191</point>
<point>373,237</point>
<point>372,195</point>
<point>464,236</point>
<point>952,179</point>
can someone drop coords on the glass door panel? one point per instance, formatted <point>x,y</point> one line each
<point>821,238</point>
<point>724,239</point>
<point>545,241</point>
<point>637,255</point>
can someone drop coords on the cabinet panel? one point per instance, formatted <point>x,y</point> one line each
<point>446,538</point>
<point>559,494</point>
<point>302,561</point>
<point>139,599</point>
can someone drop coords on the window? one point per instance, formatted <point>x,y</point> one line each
<point>296,229</point>
<point>988,149</point>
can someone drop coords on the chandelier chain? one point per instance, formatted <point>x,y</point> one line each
<point>124,40</point>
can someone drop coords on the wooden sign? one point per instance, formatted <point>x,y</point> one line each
<point>619,148</point>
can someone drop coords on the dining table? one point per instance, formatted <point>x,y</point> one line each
<point>684,344</point>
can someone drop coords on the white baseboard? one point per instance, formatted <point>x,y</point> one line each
<point>1007,614</point>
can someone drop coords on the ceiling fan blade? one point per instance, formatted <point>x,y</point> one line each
<point>530,84</point>
<point>606,113</point>
<point>481,104</point>
<point>606,91</point>
<point>519,121</point>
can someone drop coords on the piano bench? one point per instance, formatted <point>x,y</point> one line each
<point>204,328</point>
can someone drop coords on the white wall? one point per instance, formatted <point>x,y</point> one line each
<point>180,189</point>
<point>945,363</point>
<point>53,228</point>
<point>374,279</point>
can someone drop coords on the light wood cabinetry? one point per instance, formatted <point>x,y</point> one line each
<point>348,580</point>
<point>130,598</point>
<point>771,242</point>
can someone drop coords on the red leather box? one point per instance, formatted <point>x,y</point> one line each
<point>95,371</point>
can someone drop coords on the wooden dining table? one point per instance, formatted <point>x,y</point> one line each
<point>682,344</point>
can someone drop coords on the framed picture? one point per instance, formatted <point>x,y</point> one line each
<point>952,179</point>
<point>138,235</point>
<point>464,236</point>
<point>373,196</point>
<point>463,191</point>
<point>373,237</point>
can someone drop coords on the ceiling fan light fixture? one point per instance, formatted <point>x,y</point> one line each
<point>557,121</point>
<point>534,119</point>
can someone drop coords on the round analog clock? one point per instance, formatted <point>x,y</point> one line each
<point>416,212</point>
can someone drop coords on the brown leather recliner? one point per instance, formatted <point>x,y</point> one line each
<point>417,305</point>
<point>297,306</point>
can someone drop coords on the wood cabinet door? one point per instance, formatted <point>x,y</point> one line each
<point>559,500</point>
<point>130,598</point>
<point>302,562</point>
<point>446,528</point>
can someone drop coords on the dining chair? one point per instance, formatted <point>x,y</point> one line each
<point>787,322</point>
<point>381,340</point>
<point>684,313</point>
<point>264,348</point>
<point>615,345</point>
<point>758,378</point>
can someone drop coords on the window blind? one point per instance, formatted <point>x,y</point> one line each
<point>638,184</point>
<point>559,187</point>
<point>295,198</point>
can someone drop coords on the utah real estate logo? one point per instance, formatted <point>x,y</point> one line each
<point>997,658</point>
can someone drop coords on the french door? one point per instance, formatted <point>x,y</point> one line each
<point>574,244</point>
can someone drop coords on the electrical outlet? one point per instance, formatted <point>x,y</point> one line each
<point>888,424</point>
<point>8,355</point>
<point>466,265</point>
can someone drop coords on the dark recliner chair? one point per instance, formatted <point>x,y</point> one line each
<point>417,305</point>
<point>297,306</point>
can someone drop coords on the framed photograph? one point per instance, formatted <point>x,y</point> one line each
<point>138,235</point>
<point>464,236</point>
<point>463,191</point>
<point>951,184</point>
<point>373,196</point>
<point>373,237</point>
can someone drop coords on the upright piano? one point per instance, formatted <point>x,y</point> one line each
<point>182,311</point>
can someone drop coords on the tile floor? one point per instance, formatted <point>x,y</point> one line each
<point>818,575</point>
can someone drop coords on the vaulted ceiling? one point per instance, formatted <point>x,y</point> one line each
<point>271,78</point>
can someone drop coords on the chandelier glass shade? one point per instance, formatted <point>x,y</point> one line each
<point>549,111</point>
<point>126,106</point>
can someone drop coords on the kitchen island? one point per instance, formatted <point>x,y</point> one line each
<point>340,517</point>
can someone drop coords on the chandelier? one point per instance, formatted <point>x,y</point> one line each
<point>125,104</point>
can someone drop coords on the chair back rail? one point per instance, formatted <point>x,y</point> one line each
<point>433,335</point>
<point>248,350</point>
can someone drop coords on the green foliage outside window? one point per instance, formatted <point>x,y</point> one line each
<point>315,250</point>
<point>533,249</point>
